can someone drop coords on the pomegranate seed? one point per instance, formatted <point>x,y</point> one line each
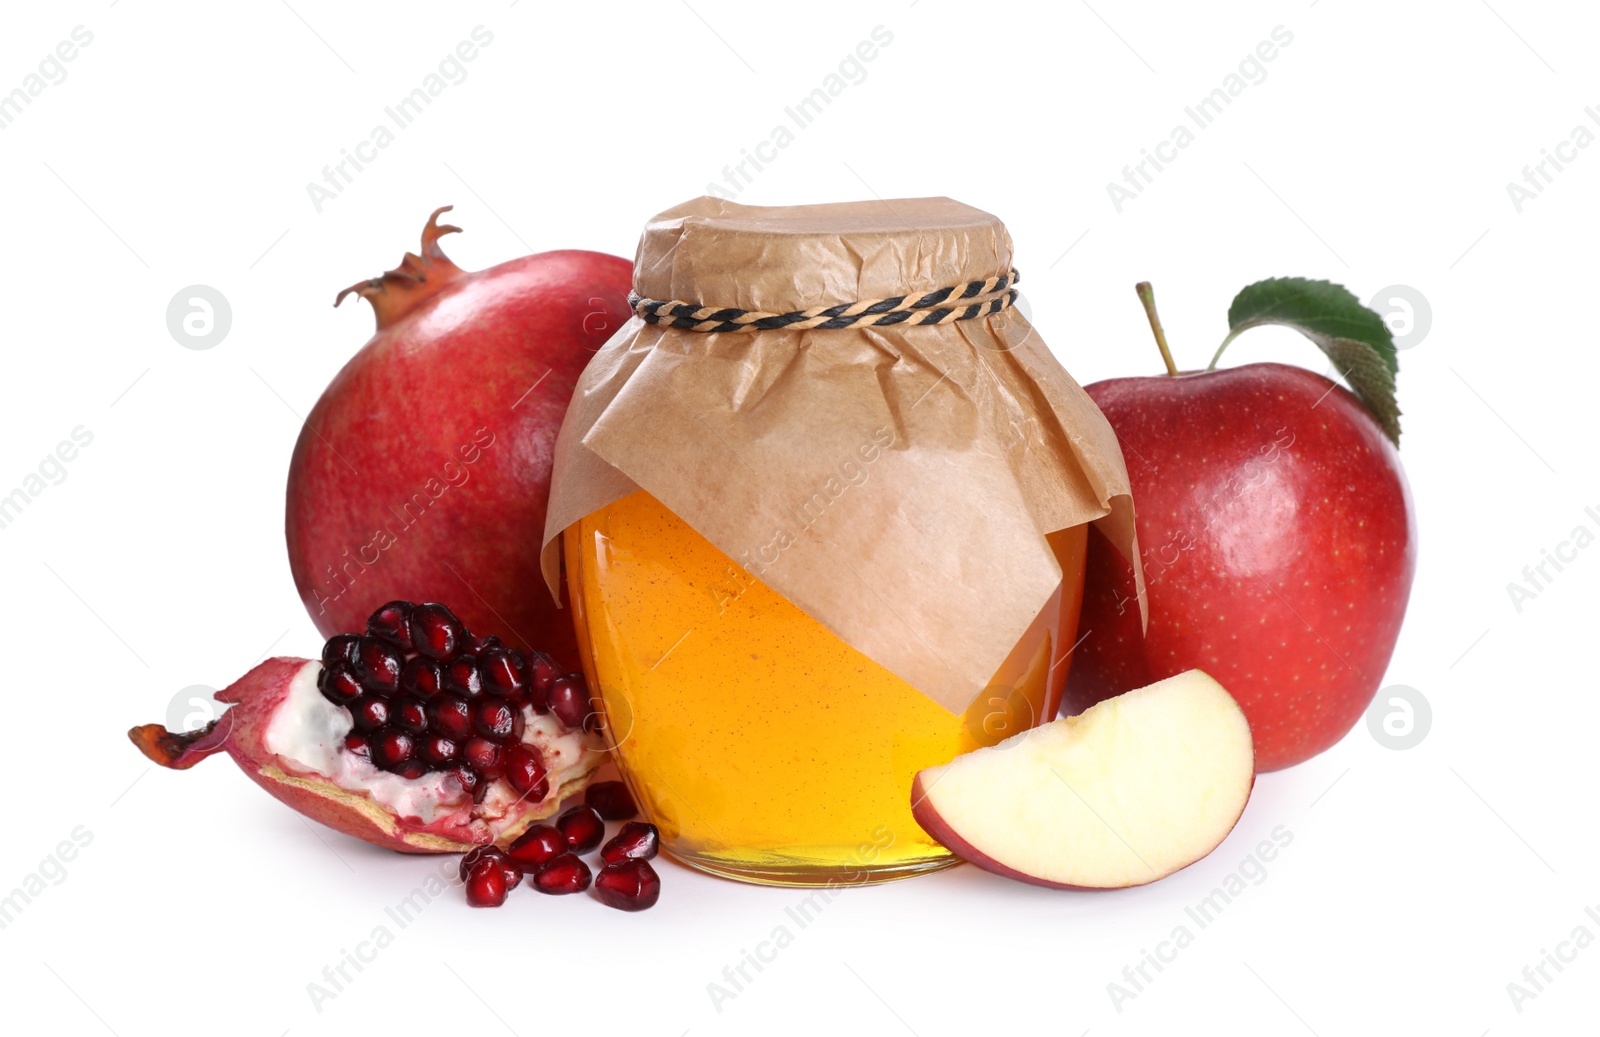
<point>471,784</point>
<point>390,748</point>
<point>370,712</point>
<point>339,683</point>
<point>543,669</point>
<point>525,771</point>
<point>631,885</point>
<point>435,631</point>
<point>422,677</point>
<point>510,870</point>
<point>611,800</point>
<point>569,700</point>
<point>412,768</point>
<point>340,647</point>
<point>479,645</point>
<point>356,743</point>
<point>486,885</point>
<point>636,841</point>
<point>582,827</point>
<point>462,676</point>
<point>485,757</point>
<point>562,875</point>
<point>378,663</point>
<point>392,622</point>
<point>451,716</point>
<point>439,750</point>
<point>497,720</point>
<point>505,673</point>
<point>408,714</point>
<point>537,845</point>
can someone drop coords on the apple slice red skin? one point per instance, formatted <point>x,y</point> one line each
<point>1303,668</point>
<point>935,826</point>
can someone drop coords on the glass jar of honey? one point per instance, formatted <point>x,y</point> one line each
<point>823,508</point>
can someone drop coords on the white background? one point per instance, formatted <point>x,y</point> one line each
<point>1376,152</point>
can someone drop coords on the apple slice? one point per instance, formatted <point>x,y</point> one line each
<point>1127,792</point>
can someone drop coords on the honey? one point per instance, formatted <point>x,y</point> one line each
<point>762,745</point>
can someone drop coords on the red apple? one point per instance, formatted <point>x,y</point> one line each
<point>423,472</point>
<point>1278,542</point>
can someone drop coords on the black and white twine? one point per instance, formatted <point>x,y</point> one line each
<point>958,302</point>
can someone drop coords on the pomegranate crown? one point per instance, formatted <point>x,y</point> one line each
<point>418,277</point>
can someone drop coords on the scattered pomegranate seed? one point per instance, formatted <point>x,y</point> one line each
<point>635,841</point>
<point>392,622</point>
<point>611,800</point>
<point>339,683</point>
<point>486,885</point>
<point>422,677</point>
<point>378,664</point>
<point>582,827</point>
<point>478,854</point>
<point>561,875</point>
<point>569,700</point>
<point>537,845</point>
<point>525,770</point>
<point>370,712</point>
<point>631,885</point>
<point>435,631</point>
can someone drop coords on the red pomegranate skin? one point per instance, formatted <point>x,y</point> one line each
<point>423,472</point>
<point>1279,546</point>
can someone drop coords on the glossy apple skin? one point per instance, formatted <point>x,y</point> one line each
<point>1279,545</point>
<point>449,381</point>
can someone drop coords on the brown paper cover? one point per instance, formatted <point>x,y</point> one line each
<point>895,483</point>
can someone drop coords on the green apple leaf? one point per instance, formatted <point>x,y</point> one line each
<point>1354,337</point>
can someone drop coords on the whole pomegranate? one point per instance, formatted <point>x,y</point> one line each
<point>423,472</point>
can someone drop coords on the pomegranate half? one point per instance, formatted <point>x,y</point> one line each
<point>413,736</point>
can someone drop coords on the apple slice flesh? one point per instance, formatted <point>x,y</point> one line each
<point>1128,791</point>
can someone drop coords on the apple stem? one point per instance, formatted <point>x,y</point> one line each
<point>1147,296</point>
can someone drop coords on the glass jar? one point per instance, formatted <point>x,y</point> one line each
<point>762,745</point>
<point>770,698</point>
